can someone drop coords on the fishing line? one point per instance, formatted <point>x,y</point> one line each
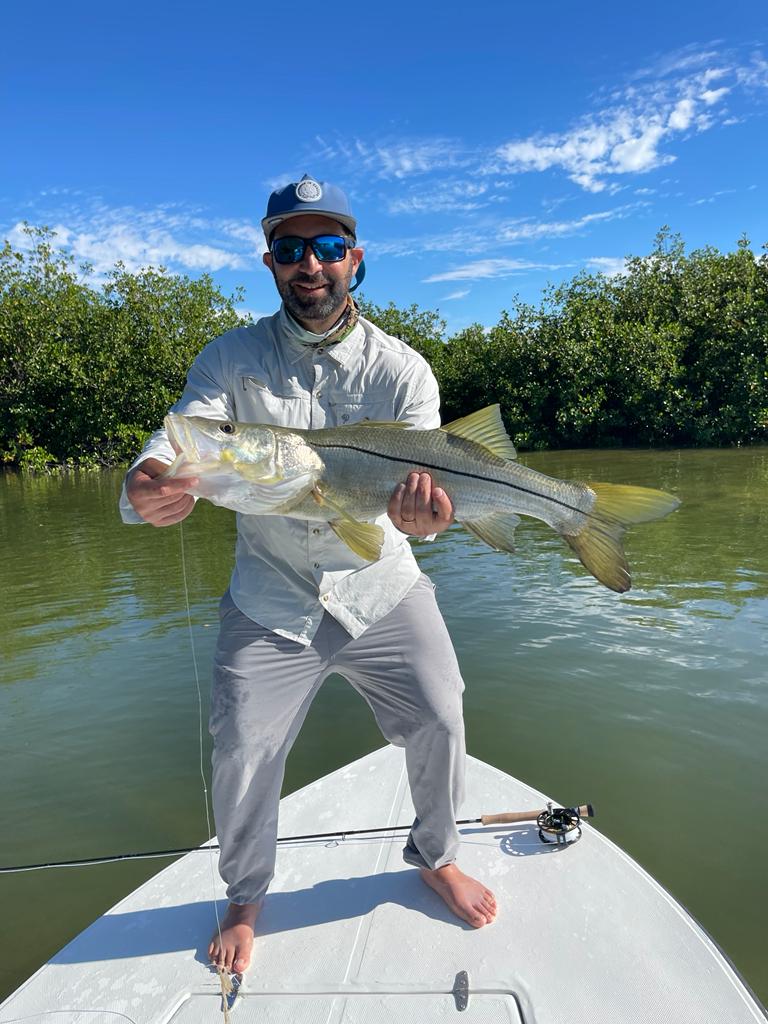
<point>71,1013</point>
<point>209,832</point>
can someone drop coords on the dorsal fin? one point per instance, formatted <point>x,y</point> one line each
<point>485,427</point>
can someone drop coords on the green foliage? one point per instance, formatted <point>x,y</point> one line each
<point>672,352</point>
<point>86,373</point>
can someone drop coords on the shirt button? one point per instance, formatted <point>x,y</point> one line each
<point>316,530</point>
<point>316,565</point>
<point>324,597</point>
<point>319,394</point>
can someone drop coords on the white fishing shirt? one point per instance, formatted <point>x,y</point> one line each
<point>288,571</point>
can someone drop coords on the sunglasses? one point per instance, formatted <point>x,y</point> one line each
<point>327,248</point>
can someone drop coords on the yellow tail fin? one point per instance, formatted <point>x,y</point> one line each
<point>598,543</point>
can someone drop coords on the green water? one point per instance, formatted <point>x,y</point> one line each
<point>652,705</point>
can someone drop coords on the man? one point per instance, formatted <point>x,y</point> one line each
<point>300,604</point>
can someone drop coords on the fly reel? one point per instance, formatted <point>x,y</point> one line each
<point>562,825</point>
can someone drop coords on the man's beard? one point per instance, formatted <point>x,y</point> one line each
<point>313,306</point>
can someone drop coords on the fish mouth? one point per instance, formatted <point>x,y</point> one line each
<point>180,434</point>
<point>190,444</point>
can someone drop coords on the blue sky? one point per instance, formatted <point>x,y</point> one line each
<point>488,148</point>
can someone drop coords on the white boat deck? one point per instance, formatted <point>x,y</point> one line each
<point>349,933</point>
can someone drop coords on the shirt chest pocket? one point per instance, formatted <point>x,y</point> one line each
<point>345,408</point>
<point>258,400</point>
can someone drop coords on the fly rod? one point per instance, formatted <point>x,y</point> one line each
<point>552,819</point>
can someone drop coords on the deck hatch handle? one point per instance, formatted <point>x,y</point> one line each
<point>461,990</point>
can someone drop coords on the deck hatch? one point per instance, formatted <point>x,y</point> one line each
<point>351,1008</point>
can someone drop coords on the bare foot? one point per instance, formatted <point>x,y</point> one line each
<point>232,951</point>
<point>466,897</point>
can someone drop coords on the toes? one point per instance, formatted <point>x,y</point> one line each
<point>483,913</point>
<point>240,964</point>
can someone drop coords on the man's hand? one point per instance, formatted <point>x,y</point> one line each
<point>419,509</point>
<point>159,502</point>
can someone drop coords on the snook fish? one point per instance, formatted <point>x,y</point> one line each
<point>345,476</point>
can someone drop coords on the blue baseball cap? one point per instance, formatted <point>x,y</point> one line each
<point>308,196</point>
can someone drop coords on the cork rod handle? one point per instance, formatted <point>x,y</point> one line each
<point>507,818</point>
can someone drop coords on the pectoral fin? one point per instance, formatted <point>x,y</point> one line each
<point>497,530</point>
<point>365,539</point>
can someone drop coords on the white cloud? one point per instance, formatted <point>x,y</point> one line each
<point>483,269</point>
<point>452,196</point>
<point>634,130</point>
<point>246,232</point>
<point>682,115</point>
<point>395,158</point>
<point>713,197</point>
<point>281,180</point>
<point>608,265</point>
<point>686,60</point>
<point>135,249</point>
<point>463,239</point>
<point>640,153</point>
<point>123,242</point>
<point>755,74</point>
<point>630,135</point>
<point>166,235</point>
<point>621,143</point>
<point>527,230</point>
<point>468,239</point>
<point>462,293</point>
<point>711,96</point>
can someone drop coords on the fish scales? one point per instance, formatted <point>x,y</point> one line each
<point>366,467</point>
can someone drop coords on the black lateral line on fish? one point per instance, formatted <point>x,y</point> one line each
<point>460,472</point>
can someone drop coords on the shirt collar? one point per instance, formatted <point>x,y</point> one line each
<point>342,350</point>
<point>290,333</point>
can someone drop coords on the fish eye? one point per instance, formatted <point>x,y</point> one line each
<point>227,428</point>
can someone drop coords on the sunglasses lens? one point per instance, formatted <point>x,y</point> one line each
<point>329,248</point>
<point>289,249</point>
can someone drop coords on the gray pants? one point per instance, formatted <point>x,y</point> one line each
<point>263,684</point>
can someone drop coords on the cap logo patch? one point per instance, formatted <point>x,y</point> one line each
<point>308,191</point>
